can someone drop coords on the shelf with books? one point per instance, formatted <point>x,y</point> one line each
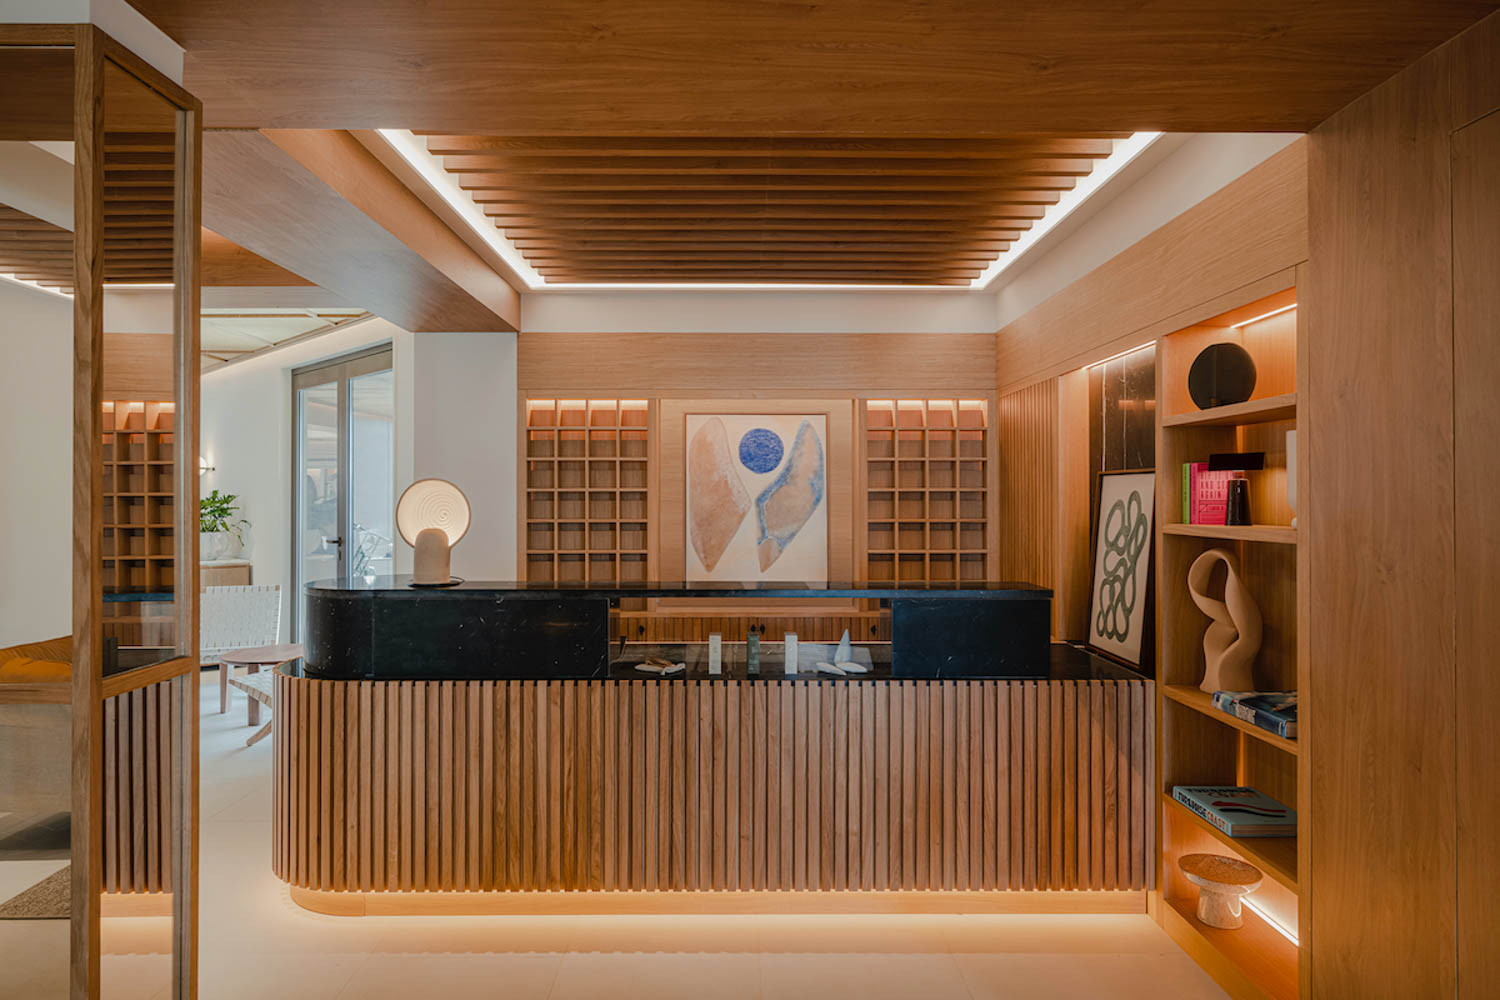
<point>1199,700</point>
<point>1199,744</point>
<point>1276,856</point>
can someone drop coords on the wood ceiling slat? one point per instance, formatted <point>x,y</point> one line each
<point>526,183</point>
<point>790,199</point>
<point>783,246</point>
<point>441,144</point>
<point>891,255</point>
<point>1022,214</point>
<point>749,225</point>
<point>688,166</point>
<point>762,277</point>
<point>764,235</point>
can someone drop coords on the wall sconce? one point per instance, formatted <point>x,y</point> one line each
<point>203,466</point>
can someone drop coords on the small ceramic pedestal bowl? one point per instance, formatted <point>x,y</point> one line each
<point>1221,882</point>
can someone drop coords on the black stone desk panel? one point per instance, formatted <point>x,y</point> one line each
<point>387,630</point>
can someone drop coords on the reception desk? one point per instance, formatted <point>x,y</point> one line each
<point>626,792</point>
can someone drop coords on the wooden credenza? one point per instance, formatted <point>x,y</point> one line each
<point>224,573</point>
<point>596,787</point>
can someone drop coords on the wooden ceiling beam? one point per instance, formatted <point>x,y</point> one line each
<point>760,277</point>
<point>749,225</point>
<point>779,253</point>
<point>761,236</point>
<point>447,144</point>
<point>525,184</point>
<point>531,247</point>
<point>791,199</point>
<point>898,215</point>
<point>690,166</point>
<point>319,205</point>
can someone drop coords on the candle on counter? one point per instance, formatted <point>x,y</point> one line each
<point>791,653</point>
<point>715,653</point>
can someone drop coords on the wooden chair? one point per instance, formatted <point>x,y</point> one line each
<point>233,618</point>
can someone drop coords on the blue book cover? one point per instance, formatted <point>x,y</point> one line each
<point>1238,811</point>
<point>1273,711</point>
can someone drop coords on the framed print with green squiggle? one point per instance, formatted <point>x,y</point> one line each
<point>1120,604</point>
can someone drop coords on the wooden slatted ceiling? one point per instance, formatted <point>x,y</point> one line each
<point>138,185</point>
<point>784,209</point>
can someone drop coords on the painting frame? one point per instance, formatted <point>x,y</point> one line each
<point>1122,558</point>
<point>801,550</point>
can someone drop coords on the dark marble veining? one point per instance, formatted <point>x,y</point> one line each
<point>384,629</point>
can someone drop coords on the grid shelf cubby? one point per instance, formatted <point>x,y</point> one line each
<point>926,489</point>
<point>137,544</point>
<point>587,474</point>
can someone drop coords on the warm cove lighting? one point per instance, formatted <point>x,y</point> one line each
<point>1275,924</point>
<point>1125,151</point>
<point>414,151</point>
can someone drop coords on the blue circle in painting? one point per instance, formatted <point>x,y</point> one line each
<point>760,450</point>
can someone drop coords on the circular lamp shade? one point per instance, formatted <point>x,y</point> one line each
<point>432,503</point>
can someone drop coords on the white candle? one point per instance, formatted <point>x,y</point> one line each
<point>715,653</point>
<point>791,653</point>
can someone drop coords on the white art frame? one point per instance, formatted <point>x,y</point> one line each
<point>1120,598</point>
<point>755,498</point>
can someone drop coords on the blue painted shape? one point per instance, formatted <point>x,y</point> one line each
<point>760,450</point>
<point>805,480</point>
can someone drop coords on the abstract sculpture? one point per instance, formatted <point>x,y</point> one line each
<point>1222,882</point>
<point>1233,637</point>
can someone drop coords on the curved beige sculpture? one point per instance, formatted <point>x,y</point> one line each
<point>1233,637</point>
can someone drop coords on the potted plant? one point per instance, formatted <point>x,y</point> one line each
<point>220,531</point>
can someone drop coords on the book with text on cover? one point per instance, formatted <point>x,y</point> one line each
<point>1238,811</point>
<point>1273,711</point>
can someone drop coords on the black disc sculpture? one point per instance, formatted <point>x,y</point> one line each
<point>1221,374</point>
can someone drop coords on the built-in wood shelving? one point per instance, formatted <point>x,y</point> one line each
<point>1201,701</point>
<point>1201,745</point>
<point>137,544</point>
<point>926,489</point>
<point>587,474</point>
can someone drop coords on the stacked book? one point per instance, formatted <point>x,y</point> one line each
<point>1205,494</point>
<point>1238,811</point>
<point>1273,711</point>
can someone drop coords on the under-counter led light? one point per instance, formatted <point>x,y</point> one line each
<point>1257,319</point>
<point>1275,924</point>
<point>414,151</point>
<point>1125,151</point>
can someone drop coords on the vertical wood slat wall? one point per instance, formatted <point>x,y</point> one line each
<point>690,785</point>
<point>137,790</point>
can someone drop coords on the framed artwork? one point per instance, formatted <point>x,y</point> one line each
<point>1119,608</point>
<point>756,497</point>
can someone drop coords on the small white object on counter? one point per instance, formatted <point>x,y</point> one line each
<point>715,653</point>
<point>791,653</point>
<point>653,668</point>
<point>845,652</point>
<point>850,667</point>
<point>829,668</point>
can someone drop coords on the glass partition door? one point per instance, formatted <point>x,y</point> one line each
<point>343,479</point>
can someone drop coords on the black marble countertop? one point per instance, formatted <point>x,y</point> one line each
<point>966,589</point>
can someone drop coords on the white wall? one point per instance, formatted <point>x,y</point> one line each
<point>464,396</point>
<point>455,418</point>
<point>36,452</point>
<point>871,311</point>
<point>1195,169</point>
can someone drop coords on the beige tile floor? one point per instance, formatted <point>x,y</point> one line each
<point>256,943</point>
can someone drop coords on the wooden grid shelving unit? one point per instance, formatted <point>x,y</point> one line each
<point>587,469</point>
<point>927,473</point>
<point>138,544</point>
<point>1200,745</point>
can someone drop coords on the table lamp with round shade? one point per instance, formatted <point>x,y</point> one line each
<point>432,515</point>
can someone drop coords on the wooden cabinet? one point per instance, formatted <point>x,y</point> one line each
<point>224,573</point>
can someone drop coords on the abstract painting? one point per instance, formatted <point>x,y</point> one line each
<point>756,488</point>
<point>1122,560</point>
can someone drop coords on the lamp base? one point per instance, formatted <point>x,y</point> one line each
<point>430,560</point>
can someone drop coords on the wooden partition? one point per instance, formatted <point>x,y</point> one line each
<point>868,786</point>
<point>138,728</point>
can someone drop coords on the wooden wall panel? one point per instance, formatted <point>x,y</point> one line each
<point>1027,445</point>
<point>688,785</point>
<point>137,791</point>
<point>1251,228</point>
<point>725,365</point>
<point>138,366</point>
<point>1390,319</point>
<point>1476,356</point>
